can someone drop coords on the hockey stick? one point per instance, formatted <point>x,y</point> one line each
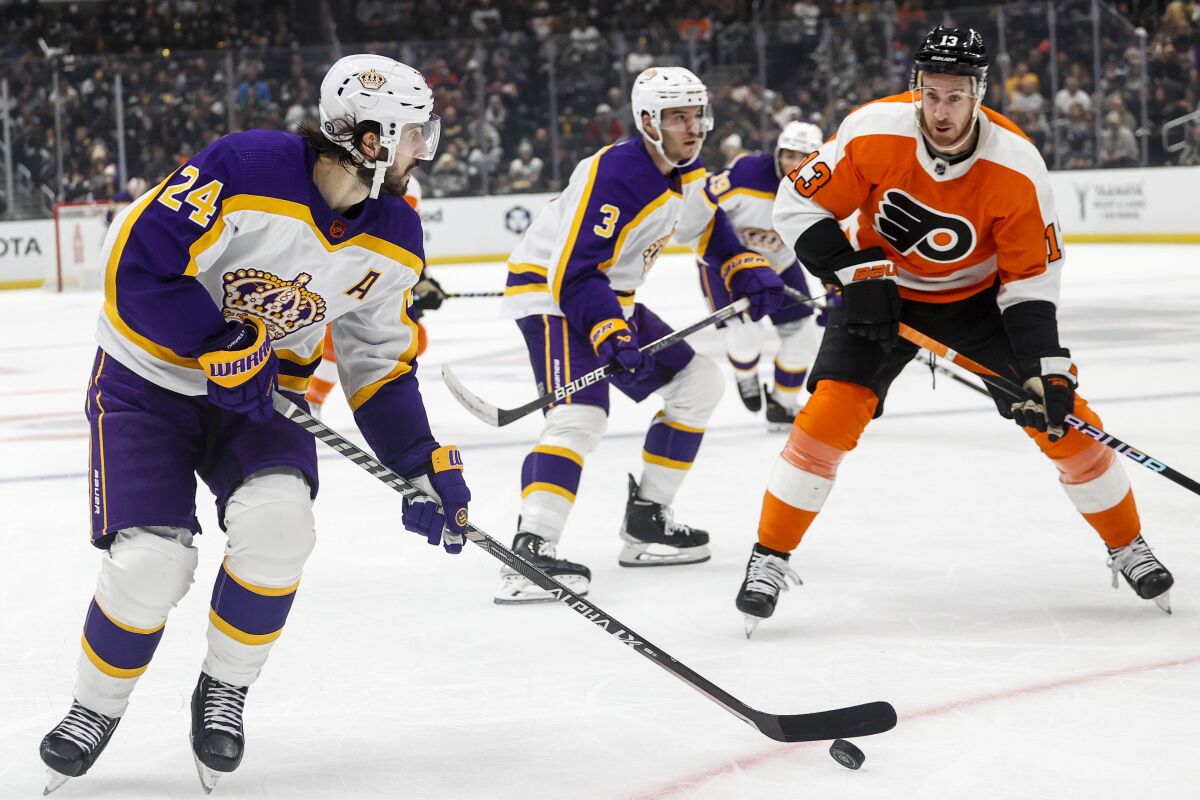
<point>497,293</point>
<point>499,417</point>
<point>838,723</point>
<point>1017,392</point>
<point>929,360</point>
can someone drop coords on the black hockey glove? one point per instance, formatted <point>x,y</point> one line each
<point>870,299</point>
<point>1051,381</point>
<point>428,294</point>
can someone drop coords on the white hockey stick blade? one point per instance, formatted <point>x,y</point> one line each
<point>472,402</point>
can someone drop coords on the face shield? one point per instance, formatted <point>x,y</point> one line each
<point>684,120</point>
<point>418,140</point>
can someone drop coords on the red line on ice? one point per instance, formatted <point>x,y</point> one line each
<point>685,784</point>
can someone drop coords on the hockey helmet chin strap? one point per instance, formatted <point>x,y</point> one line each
<point>417,140</point>
<point>952,150</point>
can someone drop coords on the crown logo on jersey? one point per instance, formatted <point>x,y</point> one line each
<point>284,306</point>
<point>372,79</point>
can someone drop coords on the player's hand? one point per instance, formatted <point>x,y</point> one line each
<point>443,484</point>
<point>870,299</point>
<point>244,372</point>
<point>617,344</point>
<point>428,294</point>
<point>1051,382</point>
<point>750,275</point>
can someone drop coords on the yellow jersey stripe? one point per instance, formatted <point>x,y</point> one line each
<point>107,668</point>
<point>241,636</point>
<point>576,224</point>
<point>552,488</point>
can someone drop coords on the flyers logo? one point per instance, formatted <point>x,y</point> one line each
<point>911,225</point>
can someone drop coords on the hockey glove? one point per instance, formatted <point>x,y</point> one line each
<point>750,275</point>
<point>616,343</point>
<point>1051,382</point>
<point>870,299</point>
<point>442,483</point>
<point>428,294</point>
<point>242,374</point>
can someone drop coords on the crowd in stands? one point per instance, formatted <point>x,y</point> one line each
<point>526,89</point>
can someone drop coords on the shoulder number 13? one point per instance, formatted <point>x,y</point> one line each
<point>810,175</point>
<point>203,200</point>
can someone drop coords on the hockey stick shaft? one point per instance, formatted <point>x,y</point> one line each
<point>500,417</point>
<point>1011,388</point>
<point>497,293</point>
<point>933,364</point>
<point>861,720</point>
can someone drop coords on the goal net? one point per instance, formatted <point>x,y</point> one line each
<point>79,230</point>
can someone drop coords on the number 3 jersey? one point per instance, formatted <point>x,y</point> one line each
<point>589,249</point>
<point>241,230</point>
<point>950,228</point>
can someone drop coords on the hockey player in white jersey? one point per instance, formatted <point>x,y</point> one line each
<point>571,285</point>
<point>218,286</point>
<point>746,191</point>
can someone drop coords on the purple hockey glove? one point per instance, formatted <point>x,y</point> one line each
<point>750,275</point>
<point>616,343</point>
<point>242,374</point>
<point>443,483</point>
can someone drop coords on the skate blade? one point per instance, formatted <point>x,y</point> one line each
<point>1163,601</point>
<point>751,623</point>
<point>54,781</point>
<point>525,592</point>
<point>640,554</point>
<point>208,777</point>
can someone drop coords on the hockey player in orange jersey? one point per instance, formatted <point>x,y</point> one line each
<point>957,237</point>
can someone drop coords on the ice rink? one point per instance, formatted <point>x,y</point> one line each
<point>948,575</point>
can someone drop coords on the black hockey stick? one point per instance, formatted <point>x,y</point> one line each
<point>1017,392</point>
<point>496,293</point>
<point>499,417</point>
<point>839,723</point>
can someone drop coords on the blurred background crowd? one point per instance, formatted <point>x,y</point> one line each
<point>97,93</point>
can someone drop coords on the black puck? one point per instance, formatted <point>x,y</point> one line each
<point>846,754</point>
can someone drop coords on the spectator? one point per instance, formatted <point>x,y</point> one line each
<point>695,25</point>
<point>1118,147</point>
<point>450,176</point>
<point>1071,94</point>
<point>639,59</point>
<point>604,127</point>
<point>1189,156</point>
<point>525,171</point>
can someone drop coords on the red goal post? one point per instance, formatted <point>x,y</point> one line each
<point>79,231</point>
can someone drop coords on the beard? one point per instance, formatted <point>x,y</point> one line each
<point>395,180</point>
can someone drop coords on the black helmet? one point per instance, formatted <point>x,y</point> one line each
<point>953,51</point>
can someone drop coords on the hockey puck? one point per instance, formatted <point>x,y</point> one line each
<point>846,754</point>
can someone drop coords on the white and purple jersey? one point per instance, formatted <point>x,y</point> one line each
<point>746,191</point>
<point>590,248</point>
<point>242,230</point>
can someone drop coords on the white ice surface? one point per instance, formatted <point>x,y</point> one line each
<point>948,575</point>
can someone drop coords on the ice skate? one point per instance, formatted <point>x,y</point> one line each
<point>653,538</point>
<point>517,589</point>
<point>747,386</point>
<point>779,418</point>
<point>73,745</point>
<point>767,573</point>
<point>1144,573</point>
<point>217,738</point>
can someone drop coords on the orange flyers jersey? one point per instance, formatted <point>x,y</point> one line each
<point>949,228</point>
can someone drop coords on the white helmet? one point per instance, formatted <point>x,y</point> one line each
<point>659,88</point>
<point>362,88</point>
<point>803,137</point>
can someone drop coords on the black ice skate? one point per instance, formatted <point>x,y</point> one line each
<point>1144,573</point>
<point>779,418</point>
<point>73,745</point>
<point>517,589</point>
<point>747,386</point>
<point>217,738</point>
<point>654,539</point>
<point>767,573</point>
